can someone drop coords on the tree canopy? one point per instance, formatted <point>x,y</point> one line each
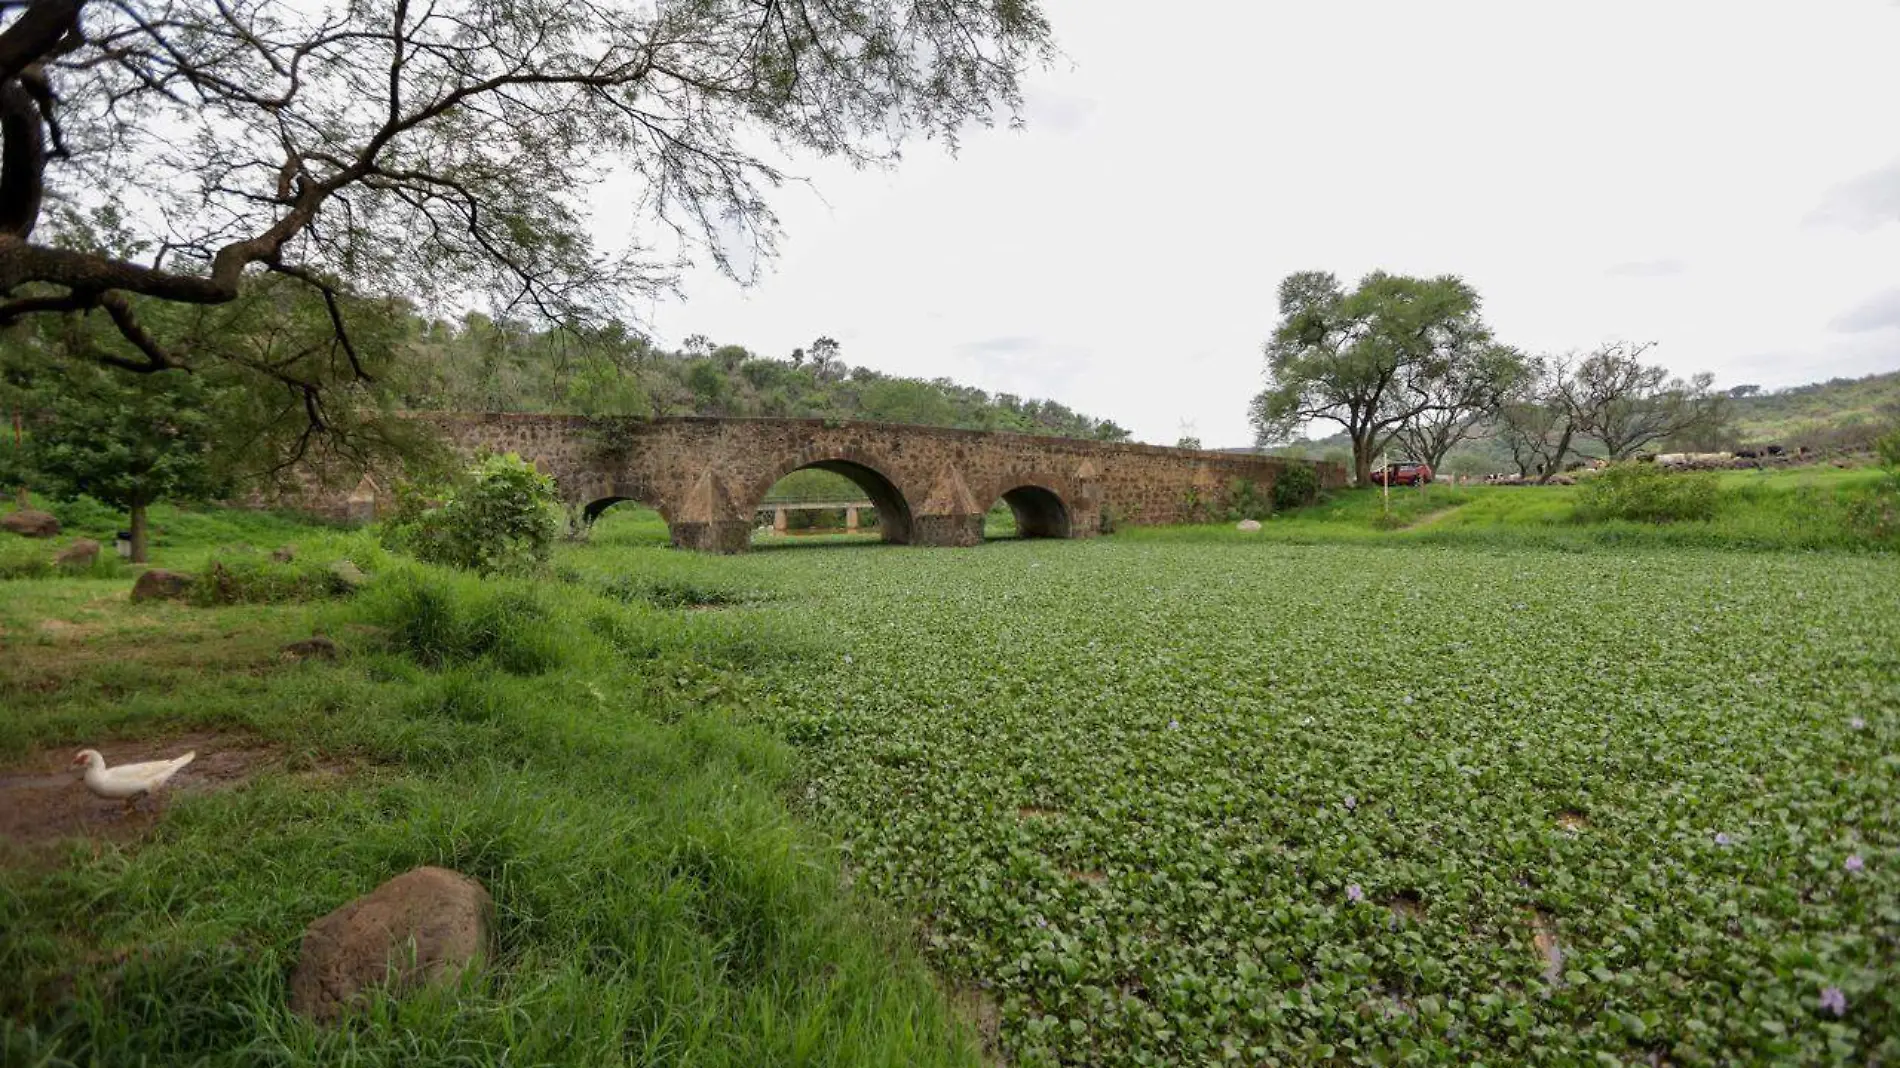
<point>390,149</point>
<point>1373,360</point>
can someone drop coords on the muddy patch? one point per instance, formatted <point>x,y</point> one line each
<point>1549,951</point>
<point>1406,905</point>
<point>1570,821</point>
<point>977,1008</point>
<point>1093,878</point>
<point>43,800</point>
<point>1037,812</point>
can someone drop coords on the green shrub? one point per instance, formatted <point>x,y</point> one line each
<point>1245,501</point>
<point>246,576</point>
<point>1297,487</point>
<point>1888,449</point>
<point>23,559</point>
<point>1645,493</point>
<point>501,520</point>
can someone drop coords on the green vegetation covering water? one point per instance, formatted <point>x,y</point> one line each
<point>1325,793</point>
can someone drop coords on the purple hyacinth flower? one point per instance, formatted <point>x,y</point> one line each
<point>1857,723</point>
<point>1854,863</point>
<point>1354,894</point>
<point>1834,1001</point>
<point>1351,802</point>
<point>1722,839</point>
<point>1174,724</point>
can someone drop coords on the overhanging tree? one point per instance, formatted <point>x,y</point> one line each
<point>1368,360</point>
<point>447,149</point>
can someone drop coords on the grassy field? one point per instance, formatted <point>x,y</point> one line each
<point>1485,786</point>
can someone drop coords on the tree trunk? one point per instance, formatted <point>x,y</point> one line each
<point>24,498</point>
<point>1362,460</point>
<point>138,534</point>
<point>1556,463</point>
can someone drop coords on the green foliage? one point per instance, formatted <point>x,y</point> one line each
<point>126,440</point>
<point>24,559</point>
<point>499,520</point>
<point>1646,493</point>
<point>247,576</point>
<point>1246,501</point>
<point>439,623</point>
<point>1295,487</point>
<point>480,365</point>
<point>1363,358</point>
<point>1888,449</point>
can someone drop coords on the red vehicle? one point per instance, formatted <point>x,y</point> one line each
<point>1404,473</point>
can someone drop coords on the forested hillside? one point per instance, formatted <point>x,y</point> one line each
<point>480,365</point>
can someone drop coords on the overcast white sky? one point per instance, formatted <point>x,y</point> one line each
<point>1719,177</point>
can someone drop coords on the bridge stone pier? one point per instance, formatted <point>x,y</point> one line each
<point>708,477</point>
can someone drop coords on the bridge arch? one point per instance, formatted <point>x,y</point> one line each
<point>1040,511</point>
<point>867,472</point>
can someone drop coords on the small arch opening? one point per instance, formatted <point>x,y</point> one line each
<point>623,521</point>
<point>837,499</point>
<point>1027,512</point>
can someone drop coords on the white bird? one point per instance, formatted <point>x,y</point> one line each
<point>128,782</point>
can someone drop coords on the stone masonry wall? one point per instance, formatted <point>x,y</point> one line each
<point>932,486</point>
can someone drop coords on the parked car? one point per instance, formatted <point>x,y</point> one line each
<point>1404,473</point>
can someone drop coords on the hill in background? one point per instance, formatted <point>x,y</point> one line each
<point>1839,414</point>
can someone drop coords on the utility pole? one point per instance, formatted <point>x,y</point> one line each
<point>1385,484</point>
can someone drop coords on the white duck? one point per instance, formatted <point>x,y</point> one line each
<point>128,782</point>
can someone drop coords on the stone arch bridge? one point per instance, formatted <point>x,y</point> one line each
<point>707,477</point>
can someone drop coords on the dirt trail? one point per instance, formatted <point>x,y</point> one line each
<point>1429,518</point>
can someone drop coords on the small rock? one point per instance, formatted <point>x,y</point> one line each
<point>285,555</point>
<point>80,555</point>
<point>158,584</point>
<point>351,575</point>
<point>317,648</point>
<point>1248,525</point>
<point>30,523</point>
<point>422,927</point>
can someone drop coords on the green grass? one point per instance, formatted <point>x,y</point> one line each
<point>1805,509</point>
<point>1175,796</point>
<point>592,762</point>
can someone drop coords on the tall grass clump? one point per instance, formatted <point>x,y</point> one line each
<point>243,575</point>
<point>1645,493</point>
<point>442,620</point>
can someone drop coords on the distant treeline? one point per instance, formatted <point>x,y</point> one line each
<point>481,365</point>
<point>1841,414</point>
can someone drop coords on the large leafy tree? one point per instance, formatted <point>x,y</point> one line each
<point>129,441</point>
<point>393,148</point>
<point>1371,360</point>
